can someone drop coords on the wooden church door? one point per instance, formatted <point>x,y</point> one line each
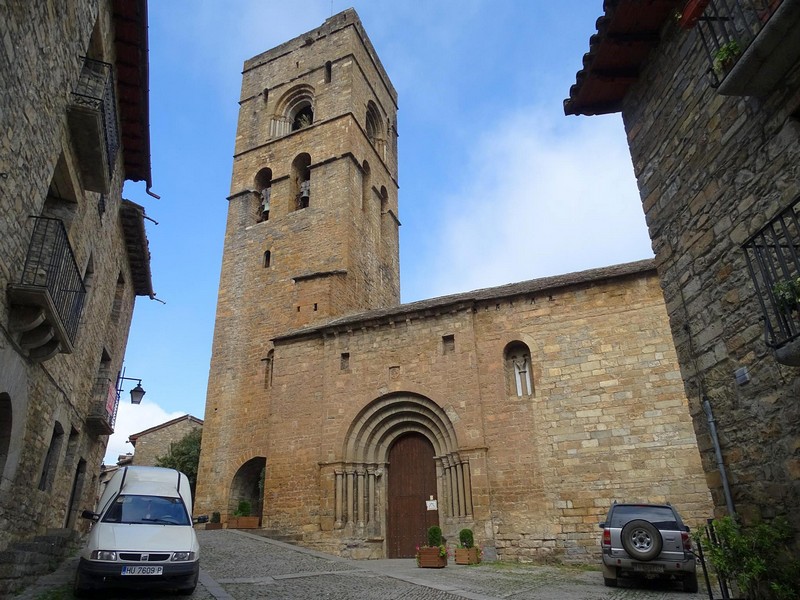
<point>412,481</point>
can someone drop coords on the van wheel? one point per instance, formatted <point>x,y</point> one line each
<point>610,582</point>
<point>79,589</point>
<point>186,591</point>
<point>642,540</point>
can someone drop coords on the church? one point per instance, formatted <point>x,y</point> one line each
<point>350,422</point>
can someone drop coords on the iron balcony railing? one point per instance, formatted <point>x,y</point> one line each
<point>50,264</point>
<point>95,90</point>
<point>727,28</point>
<point>773,259</point>
<point>105,404</point>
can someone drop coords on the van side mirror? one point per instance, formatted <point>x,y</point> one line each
<point>87,514</point>
<point>201,519</point>
<point>601,525</point>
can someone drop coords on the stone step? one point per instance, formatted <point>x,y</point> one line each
<point>46,549</point>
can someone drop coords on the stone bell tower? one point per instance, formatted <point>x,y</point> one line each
<point>312,230</point>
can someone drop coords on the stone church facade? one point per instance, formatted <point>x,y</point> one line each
<point>352,422</point>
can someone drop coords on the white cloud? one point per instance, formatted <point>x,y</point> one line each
<point>133,418</point>
<point>536,201</point>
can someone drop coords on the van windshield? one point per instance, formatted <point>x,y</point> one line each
<point>153,510</point>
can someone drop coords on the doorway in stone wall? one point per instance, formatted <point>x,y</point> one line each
<point>412,481</point>
<point>248,487</point>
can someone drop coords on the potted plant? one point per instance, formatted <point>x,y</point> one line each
<point>215,521</point>
<point>786,294</point>
<point>433,555</point>
<point>726,57</point>
<point>241,518</point>
<point>467,553</point>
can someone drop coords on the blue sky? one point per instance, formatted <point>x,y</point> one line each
<point>496,184</point>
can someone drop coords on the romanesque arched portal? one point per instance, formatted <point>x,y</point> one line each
<point>361,485</point>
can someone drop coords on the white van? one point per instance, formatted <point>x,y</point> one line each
<point>143,535</point>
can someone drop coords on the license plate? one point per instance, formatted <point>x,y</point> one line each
<point>645,568</point>
<point>142,570</point>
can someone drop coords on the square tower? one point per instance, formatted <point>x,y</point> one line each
<point>312,229</point>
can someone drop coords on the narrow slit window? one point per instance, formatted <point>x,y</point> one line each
<point>267,259</point>
<point>328,69</point>
<point>344,363</point>
<point>448,343</point>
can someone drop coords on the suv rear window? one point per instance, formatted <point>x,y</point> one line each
<point>661,516</point>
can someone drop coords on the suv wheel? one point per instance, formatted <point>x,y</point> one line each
<point>641,539</point>
<point>690,583</point>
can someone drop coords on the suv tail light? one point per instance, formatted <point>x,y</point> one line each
<point>687,541</point>
<point>606,537</point>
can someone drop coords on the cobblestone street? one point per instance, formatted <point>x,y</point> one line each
<point>242,566</point>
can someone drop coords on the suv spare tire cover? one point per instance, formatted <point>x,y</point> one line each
<point>641,539</point>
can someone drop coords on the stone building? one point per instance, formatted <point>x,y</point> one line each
<point>154,442</point>
<point>709,92</point>
<point>73,253</point>
<point>353,422</point>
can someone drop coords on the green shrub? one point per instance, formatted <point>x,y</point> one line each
<point>435,536</point>
<point>466,538</point>
<point>757,558</point>
<point>243,510</point>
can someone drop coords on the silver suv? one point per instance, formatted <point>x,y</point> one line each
<point>647,540</point>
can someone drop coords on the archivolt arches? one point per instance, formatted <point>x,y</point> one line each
<point>380,422</point>
<point>299,99</point>
<point>360,486</point>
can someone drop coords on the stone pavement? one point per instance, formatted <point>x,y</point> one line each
<point>238,565</point>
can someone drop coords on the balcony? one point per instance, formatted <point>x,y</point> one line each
<point>92,117</point>
<point>773,259</point>
<point>47,302</point>
<point>103,409</point>
<point>751,44</point>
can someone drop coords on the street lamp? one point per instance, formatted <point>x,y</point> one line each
<point>137,393</point>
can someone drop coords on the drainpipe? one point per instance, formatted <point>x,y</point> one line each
<point>712,426</point>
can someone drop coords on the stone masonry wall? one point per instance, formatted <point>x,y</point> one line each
<point>44,44</point>
<point>155,444</point>
<point>711,171</point>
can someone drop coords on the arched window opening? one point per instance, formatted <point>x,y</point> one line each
<point>263,184</point>
<point>6,422</point>
<point>268,365</point>
<point>293,111</point>
<point>267,259</point>
<point>303,117</point>
<point>518,369</point>
<point>301,181</point>
<point>51,459</point>
<point>384,199</point>
<point>365,185</point>
<point>375,130</point>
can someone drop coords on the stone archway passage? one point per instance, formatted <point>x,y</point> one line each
<point>247,486</point>
<point>360,482</point>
